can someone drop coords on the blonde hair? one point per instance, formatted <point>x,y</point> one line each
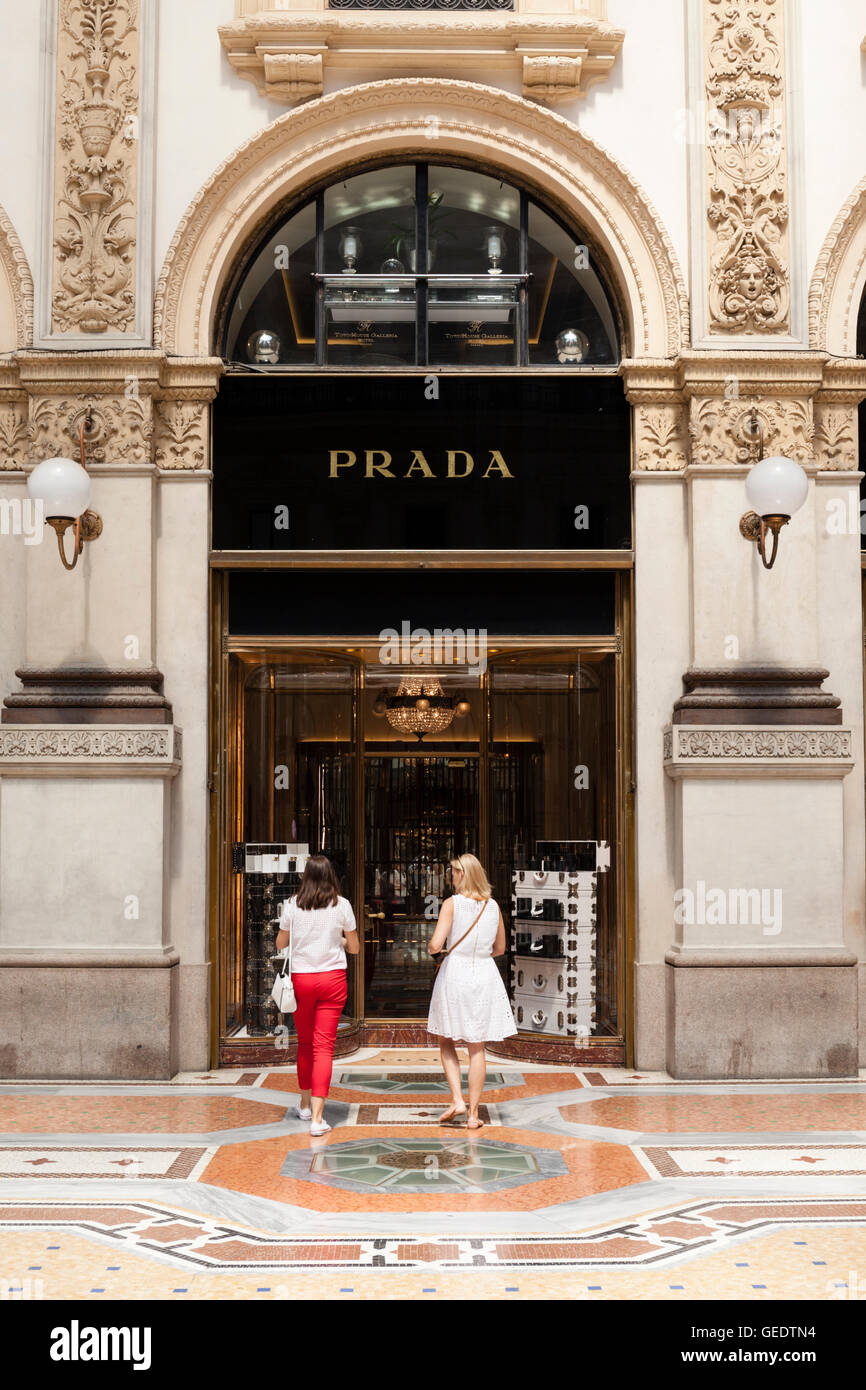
<point>475,884</point>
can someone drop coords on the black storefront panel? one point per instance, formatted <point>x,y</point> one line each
<point>421,463</point>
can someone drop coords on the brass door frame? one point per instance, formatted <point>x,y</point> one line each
<point>222,783</point>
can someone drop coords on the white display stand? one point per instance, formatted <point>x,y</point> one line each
<point>553,946</point>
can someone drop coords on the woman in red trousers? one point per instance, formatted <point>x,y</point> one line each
<point>322,928</point>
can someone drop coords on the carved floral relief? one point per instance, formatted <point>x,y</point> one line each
<point>94,244</point>
<point>122,428</point>
<point>720,429</point>
<point>659,443</point>
<point>747,210</point>
<point>836,436</point>
<point>14,437</point>
<point>180,434</point>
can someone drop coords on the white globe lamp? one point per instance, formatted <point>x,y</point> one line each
<point>61,488</point>
<point>776,487</point>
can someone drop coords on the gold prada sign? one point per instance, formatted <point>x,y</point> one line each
<point>379,463</point>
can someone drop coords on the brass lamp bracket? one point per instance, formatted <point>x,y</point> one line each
<point>753,430</point>
<point>87,527</point>
<point>755,528</point>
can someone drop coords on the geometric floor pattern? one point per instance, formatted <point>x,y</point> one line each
<point>583,1183</point>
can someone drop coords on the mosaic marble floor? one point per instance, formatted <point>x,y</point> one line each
<point>589,1184</point>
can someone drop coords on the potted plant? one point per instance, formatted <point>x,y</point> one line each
<point>402,243</point>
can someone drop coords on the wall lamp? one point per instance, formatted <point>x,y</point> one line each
<point>777,487</point>
<point>63,488</point>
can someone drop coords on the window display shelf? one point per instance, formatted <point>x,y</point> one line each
<point>553,934</point>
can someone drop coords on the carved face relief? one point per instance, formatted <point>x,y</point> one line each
<point>751,279</point>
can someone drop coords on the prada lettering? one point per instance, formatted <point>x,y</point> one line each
<point>379,463</point>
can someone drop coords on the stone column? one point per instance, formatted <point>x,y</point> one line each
<point>767,912</point>
<point>182,456</point>
<point>661,627</point>
<point>88,750</point>
<point>768,915</point>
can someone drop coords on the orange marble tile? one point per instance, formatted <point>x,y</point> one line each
<point>94,1114</point>
<point>722,1114</point>
<point>537,1083</point>
<point>255,1168</point>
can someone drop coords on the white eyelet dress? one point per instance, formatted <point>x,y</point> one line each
<point>469,1002</point>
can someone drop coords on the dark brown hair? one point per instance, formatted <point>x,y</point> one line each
<point>319,886</point>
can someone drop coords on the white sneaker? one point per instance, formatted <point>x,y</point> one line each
<point>303,1114</point>
<point>321,1128</point>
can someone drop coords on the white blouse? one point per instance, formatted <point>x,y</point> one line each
<point>317,935</point>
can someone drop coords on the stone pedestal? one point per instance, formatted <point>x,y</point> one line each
<point>759,982</point>
<point>88,982</point>
<point>761,1014</point>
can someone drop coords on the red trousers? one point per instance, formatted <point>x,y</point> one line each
<point>320,1002</point>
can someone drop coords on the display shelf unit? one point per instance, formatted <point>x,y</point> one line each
<point>265,891</point>
<point>553,938</point>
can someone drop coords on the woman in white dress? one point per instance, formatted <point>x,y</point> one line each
<point>469,1004</point>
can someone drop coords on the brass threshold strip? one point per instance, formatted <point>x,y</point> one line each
<point>255,643</point>
<point>422,559</point>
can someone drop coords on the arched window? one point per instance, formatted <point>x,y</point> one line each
<point>416,265</point>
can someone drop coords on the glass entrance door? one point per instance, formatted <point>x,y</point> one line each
<point>421,811</point>
<point>521,763</point>
<point>293,747</point>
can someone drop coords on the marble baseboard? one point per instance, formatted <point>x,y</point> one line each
<point>263,1052</point>
<point>750,1021</point>
<point>529,1049</point>
<point>82,1021</point>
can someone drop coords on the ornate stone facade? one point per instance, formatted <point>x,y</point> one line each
<point>71,745</point>
<point>150,448</point>
<point>145,409</point>
<point>723,749</point>
<point>14,434</point>
<point>747,208</point>
<point>838,279</point>
<point>699,409</point>
<point>20,282</point>
<point>285,52</point>
<point>720,429</point>
<point>94,243</point>
<point>121,430</point>
<point>659,442</point>
<point>475,123</point>
<point>181,434</point>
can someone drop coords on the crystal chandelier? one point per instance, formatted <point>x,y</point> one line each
<point>420,707</point>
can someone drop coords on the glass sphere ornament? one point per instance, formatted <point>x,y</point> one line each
<point>379,708</point>
<point>462,708</point>
<point>572,346</point>
<point>264,346</point>
<point>392,267</point>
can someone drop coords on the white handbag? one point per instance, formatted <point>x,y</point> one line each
<point>283,992</point>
